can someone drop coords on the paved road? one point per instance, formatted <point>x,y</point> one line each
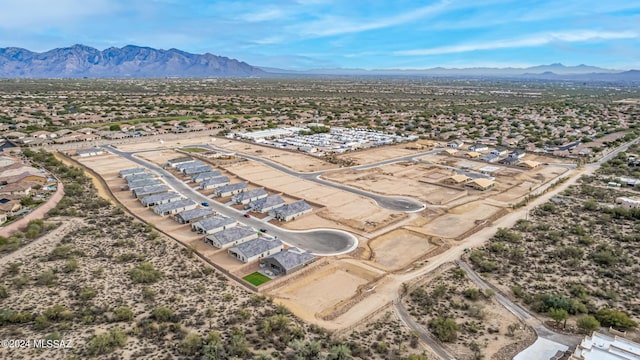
<point>318,241</point>
<point>395,203</point>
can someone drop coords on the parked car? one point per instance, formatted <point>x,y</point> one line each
<point>246,215</point>
<point>204,203</point>
<point>263,230</point>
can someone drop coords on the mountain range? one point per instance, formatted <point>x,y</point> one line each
<point>131,61</point>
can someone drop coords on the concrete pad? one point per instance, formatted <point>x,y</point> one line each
<point>541,349</point>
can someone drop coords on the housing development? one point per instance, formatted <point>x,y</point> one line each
<point>266,218</point>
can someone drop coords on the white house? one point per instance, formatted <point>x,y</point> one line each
<point>161,198</point>
<point>213,224</point>
<point>231,189</point>
<point>628,203</point>
<point>266,204</point>
<point>249,196</point>
<point>214,183</point>
<point>255,249</point>
<point>188,216</point>
<point>291,211</point>
<point>231,236</point>
<point>174,207</point>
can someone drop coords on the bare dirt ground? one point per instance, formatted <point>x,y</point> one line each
<point>295,161</point>
<point>459,219</point>
<point>399,248</point>
<point>373,155</point>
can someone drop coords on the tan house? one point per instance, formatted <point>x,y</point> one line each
<point>529,164</point>
<point>456,179</point>
<point>481,184</point>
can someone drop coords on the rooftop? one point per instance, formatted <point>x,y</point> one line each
<point>250,194</point>
<point>230,235</point>
<point>293,208</point>
<point>232,187</point>
<point>152,199</point>
<point>257,246</point>
<point>189,215</point>
<point>292,257</point>
<point>214,222</point>
<point>162,208</point>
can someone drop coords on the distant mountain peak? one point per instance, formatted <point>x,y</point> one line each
<point>81,60</point>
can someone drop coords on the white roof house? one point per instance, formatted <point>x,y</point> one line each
<point>214,183</point>
<point>249,196</point>
<point>291,211</point>
<point>174,207</point>
<point>188,216</point>
<point>180,160</point>
<point>132,185</point>
<point>266,204</point>
<point>190,171</point>
<point>603,347</point>
<point>161,198</point>
<point>255,249</point>
<point>188,164</point>
<point>628,203</point>
<point>125,172</point>
<point>138,176</point>
<point>231,189</point>
<point>205,175</point>
<point>213,224</point>
<point>149,190</point>
<point>231,236</point>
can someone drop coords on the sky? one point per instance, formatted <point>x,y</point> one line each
<point>315,34</point>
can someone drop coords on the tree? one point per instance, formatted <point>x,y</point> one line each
<point>123,313</point>
<point>213,349</point>
<point>445,329</point>
<point>588,323</point>
<point>340,352</point>
<point>191,344</point>
<point>115,127</point>
<point>616,318</point>
<point>559,315</point>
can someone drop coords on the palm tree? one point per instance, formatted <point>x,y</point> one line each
<point>340,352</point>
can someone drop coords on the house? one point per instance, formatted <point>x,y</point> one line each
<point>231,236</point>
<point>599,346</point>
<point>137,184</point>
<point>127,172</point>
<point>11,206</point>
<point>190,171</point>
<point>20,189</point>
<point>287,261</point>
<point>478,147</point>
<point>89,152</point>
<point>231,189</point>
<point>188,164</point>
<point>266,204</point>
<point>161,198</point>
<point>490,158</point>
<point>481,184</point>
<point>23,174</point>
<point>509,161</point>
<point>214,183</point>
<point>149,190</point>
<point>138,177</point>
<point>6,161</point>
<point>200,177</point>
<point>174,207</point>
<point>488,169</point>
<point>188,216</point>
<point>214,224</point>
<point>473,154</point>
<point>291,211</point>
<point>450,151</point>
<point>628,203</point>
<point>455,144</point>
<point>456,179</point>
<point>249,196</point>
<point>3,217</point>
<point>499,151</point>
<point>529,164</point>
<point>255,249</point>
<point>42,134</point>
<point>517,154</point>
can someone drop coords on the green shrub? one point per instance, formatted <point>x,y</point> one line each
<point>145,273</point>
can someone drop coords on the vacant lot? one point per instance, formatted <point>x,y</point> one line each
<point>460,219</point>
<point>399,248</point>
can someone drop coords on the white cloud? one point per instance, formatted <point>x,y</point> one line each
<point>265,15</point>
<point>332,25</point>
<point>530,41</point>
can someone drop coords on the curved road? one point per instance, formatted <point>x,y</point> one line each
<point>321,242</point>
<point>395,203</point>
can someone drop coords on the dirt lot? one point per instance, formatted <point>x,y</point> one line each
<point>399,248</point>
<point>369,156</point>
<point>459,219</point>
<point>315,293</point>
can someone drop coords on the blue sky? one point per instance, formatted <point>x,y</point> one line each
<point>375,34</point>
